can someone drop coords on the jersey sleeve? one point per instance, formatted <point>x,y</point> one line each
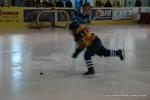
<point>81,45</point>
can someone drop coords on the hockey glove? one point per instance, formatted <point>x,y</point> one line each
<point>77,52</point>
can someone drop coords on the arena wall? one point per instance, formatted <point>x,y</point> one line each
<point>16,16</point>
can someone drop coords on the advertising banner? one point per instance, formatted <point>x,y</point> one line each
<point>30,15</point>
<point>145,9</point>
<point>117,15</point>
<point>103,14</point>
<point>122,14</point>
<point>127,14</point>
<point>11,16</point>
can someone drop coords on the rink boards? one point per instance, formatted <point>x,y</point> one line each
<point>22,16</point>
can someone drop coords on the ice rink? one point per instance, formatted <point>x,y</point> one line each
<point>24,53</point>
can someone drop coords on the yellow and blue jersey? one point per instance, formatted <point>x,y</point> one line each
<point>84,40</point>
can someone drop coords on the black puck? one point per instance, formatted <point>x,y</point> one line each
<point>41,73</point>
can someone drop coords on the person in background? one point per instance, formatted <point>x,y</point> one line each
<point>86,3</point>
<point>99,3</point>
<point>50,4</point>
<point>12,2</point>
<point>84,11</point>
<point>44,3</point>
<point>68,3</point>
<point>2,3</point>
<point>37,3</point>
<point>138,3</point>
<point>117,3</point>
<point>80,9</point>
<point>81,3</point>
<point>87,9</point>
<point>108,4</point>
<point>59,3</point>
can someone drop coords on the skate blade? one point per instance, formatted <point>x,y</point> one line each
<point>123,52</point>
<point>89,76</point>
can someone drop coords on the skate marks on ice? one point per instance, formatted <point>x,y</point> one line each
<point>103,67</point>
<point>57,65</point>
<point>62,65</point>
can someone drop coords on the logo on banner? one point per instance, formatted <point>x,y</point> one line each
<point>8,13</point>
<point>104,14</point>
<point>9,16</point>
<point>117,15</point>
<point>127,14</point>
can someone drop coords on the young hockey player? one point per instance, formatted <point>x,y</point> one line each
<point>93,45</point>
